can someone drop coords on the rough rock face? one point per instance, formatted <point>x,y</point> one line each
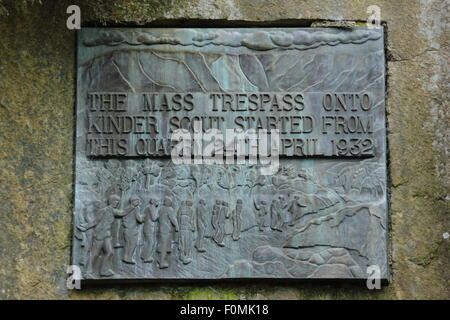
<point>37,85</point>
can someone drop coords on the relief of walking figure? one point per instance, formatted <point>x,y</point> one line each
<point>187,223</point>
<point>295,208</point>
<point>168,224</point>
<point>149,231</point>
<point>201,225</point>
<point>263,212</point>
<point>276,219</point>
<point>236,218</point>
<point>220,217</point>
<point>130,224</point>
<point>102,248</point>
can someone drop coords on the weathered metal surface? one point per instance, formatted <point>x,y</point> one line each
<point>323,214</point>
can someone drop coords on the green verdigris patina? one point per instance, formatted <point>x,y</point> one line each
<point>318,213</point>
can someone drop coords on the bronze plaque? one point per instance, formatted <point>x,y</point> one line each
<point>310,202</point>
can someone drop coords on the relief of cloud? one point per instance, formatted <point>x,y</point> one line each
<point>256,40</point>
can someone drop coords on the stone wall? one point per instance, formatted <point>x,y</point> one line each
<point>37,102</point>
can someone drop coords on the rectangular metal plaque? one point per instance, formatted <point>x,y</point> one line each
<point>321,213</point>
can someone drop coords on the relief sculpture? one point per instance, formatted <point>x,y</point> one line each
<point>321,214</point>
<point>172,233</point>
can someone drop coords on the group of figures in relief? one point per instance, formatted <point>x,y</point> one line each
<point>142,206</point>
<point>159,222</point>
